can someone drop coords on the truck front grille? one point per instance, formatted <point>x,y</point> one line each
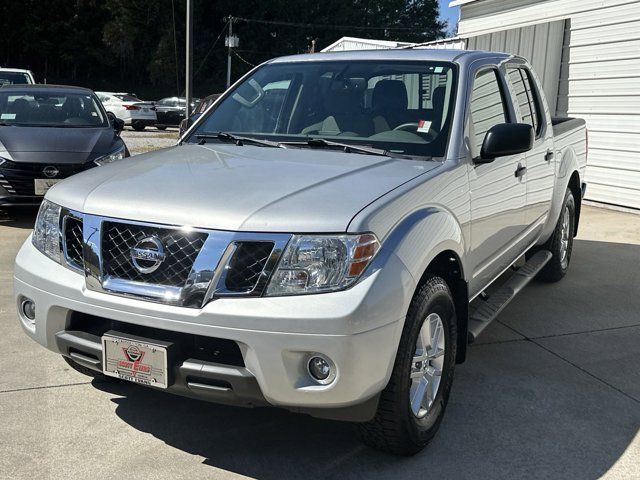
<point>73,242</point>
<point>246,266</point>
<point>186,267</point>
<point>181,250</point>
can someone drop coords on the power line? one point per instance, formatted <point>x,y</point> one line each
<point>320,25</point>
<point>211,49</point>
<point>245,61</point>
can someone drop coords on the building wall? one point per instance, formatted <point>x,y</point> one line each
<point>541,44</point>
<point>599,78</point>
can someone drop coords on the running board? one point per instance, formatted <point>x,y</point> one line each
<point>492,306</point>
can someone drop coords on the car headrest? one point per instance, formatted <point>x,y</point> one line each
<point>389,95</point>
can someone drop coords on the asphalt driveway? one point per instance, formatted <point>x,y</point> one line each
<point>551,390</point>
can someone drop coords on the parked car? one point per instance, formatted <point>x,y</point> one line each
<point>323,239</point>
<point>11,76</point>
<point>200,107</point>
<point>48,133</point>
<point>130,109</point>
<point>171,111</point>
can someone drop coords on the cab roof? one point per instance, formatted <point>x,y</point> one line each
<point>397,54</point>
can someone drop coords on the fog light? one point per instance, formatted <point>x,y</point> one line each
<point>321,369</point>
<point>29,309</point>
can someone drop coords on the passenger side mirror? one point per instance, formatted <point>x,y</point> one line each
<point>116,123</point>
<point>506,139</point>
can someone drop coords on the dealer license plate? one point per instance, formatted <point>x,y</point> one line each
<point>41,185</point>
<point>135,361</point>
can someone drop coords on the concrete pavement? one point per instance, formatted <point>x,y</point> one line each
<point>551,390</point>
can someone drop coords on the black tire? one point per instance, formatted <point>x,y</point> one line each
<point>395,428</point>
<point>84,370</point>
<point>161,127</point>
<point>138,127</point>
<point>558,266</point>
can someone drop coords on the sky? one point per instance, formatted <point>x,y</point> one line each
<point>449,14</point>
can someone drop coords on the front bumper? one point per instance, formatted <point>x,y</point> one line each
<point>358,329</point>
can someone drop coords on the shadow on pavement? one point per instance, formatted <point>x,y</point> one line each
<point>517,410</point>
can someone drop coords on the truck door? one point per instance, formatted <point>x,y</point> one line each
<point>540,161</point>
<point>498,191</point>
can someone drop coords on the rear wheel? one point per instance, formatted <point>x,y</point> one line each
<point>161,127</point>
<point>138,127</point>
<point>412,405</point>
<point>561,242</point>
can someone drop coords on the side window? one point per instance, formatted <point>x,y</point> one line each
<point>526,98</point>
<point>486,108</point>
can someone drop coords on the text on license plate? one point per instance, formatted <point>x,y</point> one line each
<point>135,361</point>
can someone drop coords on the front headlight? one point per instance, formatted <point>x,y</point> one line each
<point>46,233</point>
<point>322,263</point>
<point>110,157</point>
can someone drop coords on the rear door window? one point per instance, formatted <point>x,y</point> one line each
<point>526,98</point>
<point>487,108</point>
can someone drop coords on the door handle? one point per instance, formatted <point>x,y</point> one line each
<point>549,156</point>
<point>520,171</point>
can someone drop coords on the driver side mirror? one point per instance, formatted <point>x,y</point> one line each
<point>506,139</point>
<point>116,123</point>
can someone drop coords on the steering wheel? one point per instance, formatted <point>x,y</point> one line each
<point>409,127</point>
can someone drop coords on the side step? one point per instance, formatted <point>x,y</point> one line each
<point>492,306</point>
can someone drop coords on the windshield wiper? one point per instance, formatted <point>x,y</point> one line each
<point>346,147</point>
<point>237,139</point>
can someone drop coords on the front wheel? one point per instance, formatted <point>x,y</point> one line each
<point>561,242</point>
<point>161,127</point>
<point>412,405</point>
<point>138,127</point>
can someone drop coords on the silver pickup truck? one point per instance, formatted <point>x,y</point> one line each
<point>327,238</point>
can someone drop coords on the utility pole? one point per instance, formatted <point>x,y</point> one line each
<point>189,60</point>
<point>229,43</point>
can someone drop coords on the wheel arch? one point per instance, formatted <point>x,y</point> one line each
<point>431,241</point>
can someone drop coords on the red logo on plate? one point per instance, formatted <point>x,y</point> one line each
<point>133,353</point>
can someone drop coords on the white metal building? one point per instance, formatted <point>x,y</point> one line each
<point>353,43</point>
<point>588,54</point>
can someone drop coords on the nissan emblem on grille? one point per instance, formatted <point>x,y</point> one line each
<point>50,171</point>
<point>148,254</point>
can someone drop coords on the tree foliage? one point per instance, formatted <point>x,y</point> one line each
<point>135,45</point>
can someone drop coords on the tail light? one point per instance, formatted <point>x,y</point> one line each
<point>131,107</point>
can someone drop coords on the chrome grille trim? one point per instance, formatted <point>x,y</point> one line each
<point>206,279</point>
<point>69,252</point>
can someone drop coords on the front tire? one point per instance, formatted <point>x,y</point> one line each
<point>561,242</point>
<point>138,127</point>
<point>161,127</point>
<point>412,405</point>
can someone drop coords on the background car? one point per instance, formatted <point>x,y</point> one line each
<point>15,76</point>
<point>171,111</point>
<point>200,107</point>
<point>127,107</point>
<point>48,133</point>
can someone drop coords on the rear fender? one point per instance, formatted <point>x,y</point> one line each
<point>567,166</point>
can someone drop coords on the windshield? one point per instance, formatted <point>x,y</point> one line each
<point>400,107</point>
<point>50,109</point>
<point>11,78</point>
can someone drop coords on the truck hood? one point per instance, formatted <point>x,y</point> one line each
<point>55,145</point>
<point>239,188</point>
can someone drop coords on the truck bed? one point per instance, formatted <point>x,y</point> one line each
<point>562,125</point>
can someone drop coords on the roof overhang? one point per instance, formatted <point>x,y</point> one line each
<point>457,3</point>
